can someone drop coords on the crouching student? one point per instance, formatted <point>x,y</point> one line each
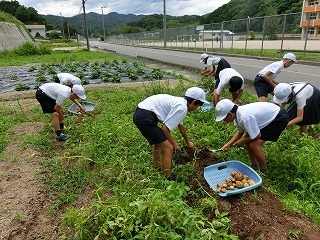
<point>67,79</point>
<point>304,103</point>
<point>52,96</point>
<point>170,111</point>
<point>256,123</point>
<point>233,79</point>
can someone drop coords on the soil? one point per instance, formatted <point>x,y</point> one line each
<point>256,214</point>
<point>25,202</point>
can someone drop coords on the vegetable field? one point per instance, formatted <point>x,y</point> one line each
<point>102,185</point>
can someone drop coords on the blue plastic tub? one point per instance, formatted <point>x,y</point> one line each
<point>217,173</point>
<point>89,106</point>
<point>206,106</point>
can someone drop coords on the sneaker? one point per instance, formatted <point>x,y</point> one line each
<point>62,138</point>
<point>254,166</point>
<point>264,171</point>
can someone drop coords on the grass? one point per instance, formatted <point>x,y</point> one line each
<point>269,53</point>
<point>9,58</point>
<point>108,157</point>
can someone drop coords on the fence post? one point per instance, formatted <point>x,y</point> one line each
<point>248,27</point>
<point>283,30</point>
<point>232,35</point>
<point>306,36</point>
<point>221,37</point>
<point>263,27</point>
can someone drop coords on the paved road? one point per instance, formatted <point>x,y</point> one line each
<point>247,67</point>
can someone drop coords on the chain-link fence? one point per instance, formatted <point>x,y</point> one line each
<point>280,32</point>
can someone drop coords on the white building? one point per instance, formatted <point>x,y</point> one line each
<point>206,35</point>
<point>37,30</point>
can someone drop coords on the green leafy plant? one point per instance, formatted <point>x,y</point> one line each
<point>22,87</point>
<point>14,77</point>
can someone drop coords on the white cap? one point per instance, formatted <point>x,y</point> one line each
<point>75,81</point>
<point>222,108</point>
<point>196,93</point>
<point>281,93</point>
<point>203,56</point>
<point>79,91</point>
<point>290,56</point>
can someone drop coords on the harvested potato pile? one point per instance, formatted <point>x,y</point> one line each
<point>237,180</point>
<point>77,110</point>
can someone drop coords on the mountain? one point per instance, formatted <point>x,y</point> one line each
<point>94,22</point>
<point>122,24</point>
<point>241,9</point>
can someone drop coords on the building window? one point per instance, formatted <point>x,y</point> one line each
<point>311,31</point>
<point>313,16</point>
<point>314,2</point>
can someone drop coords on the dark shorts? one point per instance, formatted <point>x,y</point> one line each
<point>311,111</point>
<point>221,65</point>
<point>273,131</point>
<point>147,123</point>
<point>263,88</point>
<point>47,104</point>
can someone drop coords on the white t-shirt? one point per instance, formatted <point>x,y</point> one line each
<point>170,110</point>
<point>275,68</point>
<point>225,76</point>
<point>68,79</point>
<point>56,91</point>
<point>301,97</point>
<point>213,60</point>
<point>252,117</point>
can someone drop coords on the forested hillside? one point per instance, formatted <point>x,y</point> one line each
<point>155,21</point>
<point>27,15</point>
<point>123,24</point>
<point>239,9</point>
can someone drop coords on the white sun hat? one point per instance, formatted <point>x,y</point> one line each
<point>281,93</point>
<point>290,56</point>
<point>203,56</point>
<point>79,91</point>
<point>222,108</point>
<point>196,93</point>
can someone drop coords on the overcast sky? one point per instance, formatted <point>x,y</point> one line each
<point>69,8</point>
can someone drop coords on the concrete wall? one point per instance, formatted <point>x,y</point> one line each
<point>12,36</point>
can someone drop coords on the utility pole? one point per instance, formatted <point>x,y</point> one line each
<point>62,25</point>
<point>164,25</point>
<point>104,31</point>
<point>85,23</point>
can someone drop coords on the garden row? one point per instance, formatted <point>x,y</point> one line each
<point>116,71</point>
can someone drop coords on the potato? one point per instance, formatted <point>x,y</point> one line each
<point>223,189</point>
<point>244,180</point>
<point>219,185</point>
<point>239,184</point>
<point>218,190</point>
<point>233,173</point>
<point>251,182</point>
<point>238,176</point>
<point>246,184</point>
<point>229,183</point>
<point>231,187</point>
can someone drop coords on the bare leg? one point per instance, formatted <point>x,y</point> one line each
<point>55,121</point>
<point>167,150</point>
<point>156,155</point>
<point>303,129</point>
<point>254,148</point>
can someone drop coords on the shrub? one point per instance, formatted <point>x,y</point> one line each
<point>29,48</point>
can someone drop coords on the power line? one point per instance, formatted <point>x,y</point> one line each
<point>143,7</point>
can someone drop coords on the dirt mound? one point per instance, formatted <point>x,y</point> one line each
<point>257,214</point>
